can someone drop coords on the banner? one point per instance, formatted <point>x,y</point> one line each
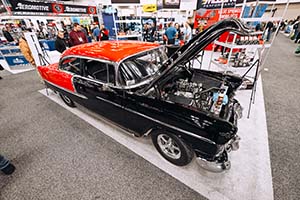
<point>171,4</point>
<point>27,6</point>
<point>149,8</point>
<point>214,4</point>
<point>207,17</point>
<point>21,6</point>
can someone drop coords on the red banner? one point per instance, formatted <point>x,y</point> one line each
<point>205,18</point>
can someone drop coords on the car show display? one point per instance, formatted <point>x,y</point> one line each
<point>173,82</point>
<point>186,111</point>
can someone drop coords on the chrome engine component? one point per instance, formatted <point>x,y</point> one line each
<point>187,89</point>
<point>184,85</point>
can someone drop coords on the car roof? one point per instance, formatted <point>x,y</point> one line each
<point>110,50</point>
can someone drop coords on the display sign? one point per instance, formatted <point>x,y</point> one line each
<point>27,6</point>
<point>16,60</point>
<point>214,4</point>
<point>149,8</point>
<point>56,8</point>
<point>208,17</point>
<point>171,4</point>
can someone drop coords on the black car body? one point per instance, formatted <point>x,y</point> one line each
<point>186,111</point>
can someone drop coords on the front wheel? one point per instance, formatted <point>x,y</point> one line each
<point>172,148</point>
<point>67,100</point>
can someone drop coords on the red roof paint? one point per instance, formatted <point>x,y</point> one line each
<point>110,50</point>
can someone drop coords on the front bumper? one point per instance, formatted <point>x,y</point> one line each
<point>219,165</point>
<point>214,166</point>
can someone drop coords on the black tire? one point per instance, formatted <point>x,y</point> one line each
<point>180,155</point>
<point>67,100</point>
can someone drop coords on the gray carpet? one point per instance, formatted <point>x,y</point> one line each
<point>281,86</point>
<point>59,156</point>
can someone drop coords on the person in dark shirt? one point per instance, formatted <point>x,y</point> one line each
<point>60,43</point>
<point>171,34</point>
<point>104,33</point>
<point>179,32</point>
<point>77,36</point>
<point>269,28</point>
<point>7,35</point>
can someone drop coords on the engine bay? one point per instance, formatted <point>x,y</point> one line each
<point>195,94</point>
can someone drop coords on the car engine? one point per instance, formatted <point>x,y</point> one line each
<point>194,94</point>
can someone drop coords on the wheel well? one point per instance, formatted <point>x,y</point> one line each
<point>158,128</point>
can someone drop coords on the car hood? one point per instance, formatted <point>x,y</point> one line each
<point>190,50</point>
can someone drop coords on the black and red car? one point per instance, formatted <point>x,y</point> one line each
<point>186,111</point>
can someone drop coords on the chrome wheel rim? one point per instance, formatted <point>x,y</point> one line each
<point>168,146</point>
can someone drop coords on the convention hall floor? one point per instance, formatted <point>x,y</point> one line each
<point>60,156</point>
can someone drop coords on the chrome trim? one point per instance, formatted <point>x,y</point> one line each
<point>69,91</point>
<point>119,62</point>
<point>213,166</point>
<point>141,83</point>
<point>85,57</point>
<point>148,132</point>
<point>157,121</point>
<point>233,144</point>
<point>94,80</point>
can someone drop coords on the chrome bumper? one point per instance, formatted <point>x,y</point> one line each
<point>233,144</point>
<point>213,166</point>
<point>217,166</point>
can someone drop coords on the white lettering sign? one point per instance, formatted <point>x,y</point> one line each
<point>74,10</point>
<point>21,6</point>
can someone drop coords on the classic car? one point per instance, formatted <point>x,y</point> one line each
<point>135,85</point>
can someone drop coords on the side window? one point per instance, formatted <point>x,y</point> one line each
<point>71,65</point>
<point>99,71</point>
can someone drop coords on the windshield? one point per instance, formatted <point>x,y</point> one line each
<point>141,67</point>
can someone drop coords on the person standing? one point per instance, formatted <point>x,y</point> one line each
<point>24,47</point>
<point>145,32</point>
<point>77,36</point>
<point>179,33</point>
<point>96,32</point>
<point>187,33</point>
<point>7,35</point>
<point>269,28</point>
<point>104,33</point>
<point>297,31</point>
<point>171,34</point>
<point>5,166</point>
<point>60,43</point>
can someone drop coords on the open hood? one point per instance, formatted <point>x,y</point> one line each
<point>190,50</point>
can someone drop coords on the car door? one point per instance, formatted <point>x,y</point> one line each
<point>97,84</point>
<point>59,76</point>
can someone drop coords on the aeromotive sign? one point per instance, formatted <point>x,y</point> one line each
<point>212,4</point>
<point>27,6</point>
<point>18,6</point>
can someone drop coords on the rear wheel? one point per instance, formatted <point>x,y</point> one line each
<point>172,148</point>
<point>67,100</point>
